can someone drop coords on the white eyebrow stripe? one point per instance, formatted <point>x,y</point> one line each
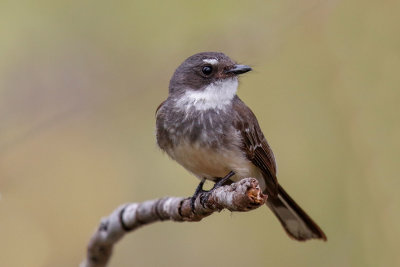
<point>212,61</point>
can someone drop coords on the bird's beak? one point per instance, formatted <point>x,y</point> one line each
<point>238,69</point>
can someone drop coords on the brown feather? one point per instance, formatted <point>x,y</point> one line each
<point>255,145</point>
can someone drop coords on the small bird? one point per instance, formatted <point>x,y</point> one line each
<point>206,128</point>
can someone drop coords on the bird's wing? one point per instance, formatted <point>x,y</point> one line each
<point>255,146</point>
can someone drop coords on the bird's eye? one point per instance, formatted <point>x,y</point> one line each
<point>207,70</point>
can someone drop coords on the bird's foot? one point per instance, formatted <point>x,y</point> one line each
<point>221,182</point>
<point>198,191</point>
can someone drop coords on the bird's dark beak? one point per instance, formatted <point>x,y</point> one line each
<point>238,69</point>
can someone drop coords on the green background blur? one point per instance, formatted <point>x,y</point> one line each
<point>79,85</point>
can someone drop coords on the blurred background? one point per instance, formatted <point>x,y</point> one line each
<point>79,85</point>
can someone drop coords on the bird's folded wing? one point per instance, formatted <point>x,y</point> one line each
<point>255,146</point>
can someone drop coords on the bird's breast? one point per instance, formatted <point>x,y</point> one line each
<point>207,128</point>
<point>204,142</point>
<point>212,162</point>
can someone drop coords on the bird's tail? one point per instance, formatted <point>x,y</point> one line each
<point>297,224</point>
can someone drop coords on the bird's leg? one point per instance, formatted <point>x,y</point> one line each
<point>219,183</point>
<point>199,189</point>
<point>223,181</point>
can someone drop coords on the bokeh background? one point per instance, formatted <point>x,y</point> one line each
<point>79,85</point>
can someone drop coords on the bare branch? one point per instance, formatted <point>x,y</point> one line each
<point>244,195</point>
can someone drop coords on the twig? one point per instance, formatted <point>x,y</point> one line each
<point>244,195</point>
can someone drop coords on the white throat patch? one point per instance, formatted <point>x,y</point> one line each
<point>215,96</point>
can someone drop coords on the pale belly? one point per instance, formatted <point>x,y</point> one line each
<point>211,163</point>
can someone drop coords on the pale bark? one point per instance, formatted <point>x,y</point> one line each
<point>244,195</point>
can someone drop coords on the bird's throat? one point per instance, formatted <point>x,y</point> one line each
<point>217,95</point>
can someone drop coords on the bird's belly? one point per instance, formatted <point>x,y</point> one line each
<point>210,163</point>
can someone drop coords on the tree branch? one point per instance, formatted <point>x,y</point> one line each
<point>244,195</point>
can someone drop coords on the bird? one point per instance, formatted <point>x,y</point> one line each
<point>205,127</point>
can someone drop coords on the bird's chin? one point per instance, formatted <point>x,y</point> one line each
<point>226,77</point>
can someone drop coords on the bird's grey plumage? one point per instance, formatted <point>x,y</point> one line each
<point>205,127</point>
